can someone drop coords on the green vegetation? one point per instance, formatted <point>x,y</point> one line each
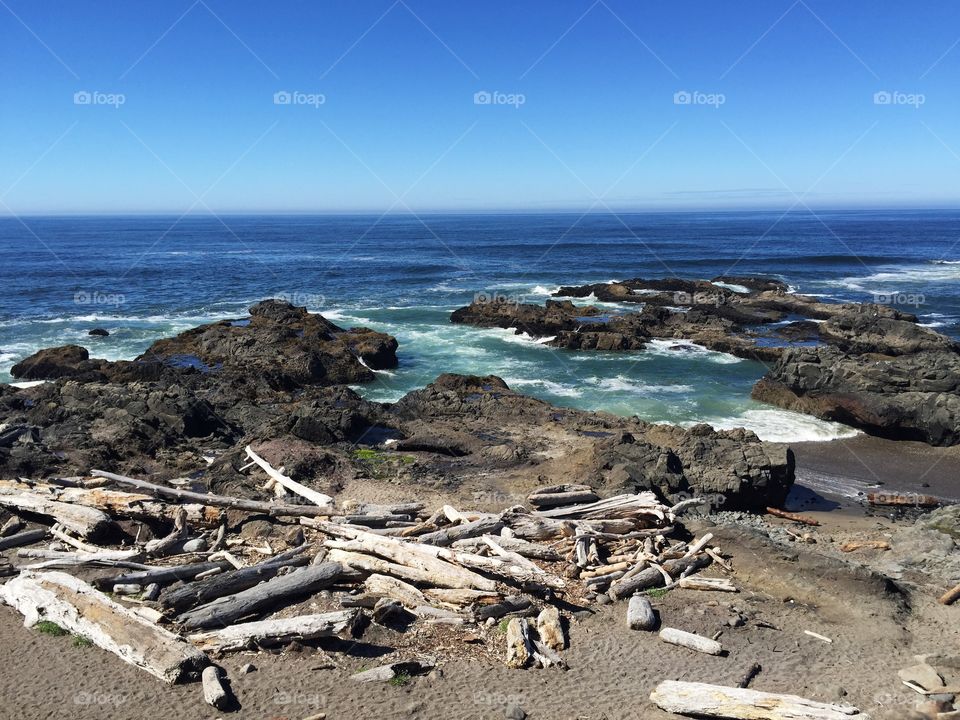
<point>502,627</point>
<point>657,592</point>
<point>400,679</point>
<point>79,641</point>
<point>381,464</point>
<point>51,628</point>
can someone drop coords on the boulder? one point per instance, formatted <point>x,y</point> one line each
<point>52,363</point>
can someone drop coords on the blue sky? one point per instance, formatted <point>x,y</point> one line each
<point>583,109</point>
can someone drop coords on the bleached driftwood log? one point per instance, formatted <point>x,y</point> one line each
<point>640,614</point>
<point>163,575</point>
<point>116,503</point>
<point>702,583</point>
<point>690,698</point>
<point>550,629</point>
<point>562,495</point>
<point>273,631</point>
<point>104,558</point>
<point>267,508</point>
<point>460,598</point>
<point>80,608</point>
<point>691,641</point>
<point>228,583</point>
<point>448,536</point>
<point>652,577</point>
<point>395,589</point>
<point>640,505</point>
<point>520,648</point>
<point>225,610</point>
<point>214,692</point>
<point>318,498</point>
<point>86,522</point>
<point>445,575</point>
<point>512,544</point>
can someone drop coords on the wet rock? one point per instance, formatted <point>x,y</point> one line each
<point>99,332</point>
<point>51,363</point>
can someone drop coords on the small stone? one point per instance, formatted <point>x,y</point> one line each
<point>195,545</point>
<point>248,668</point>
<point>515,712</point>
<point>603,600</point>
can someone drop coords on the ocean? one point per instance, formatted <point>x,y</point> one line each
<point>147,277</point>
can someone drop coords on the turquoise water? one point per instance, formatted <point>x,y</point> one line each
<point>143,278</point>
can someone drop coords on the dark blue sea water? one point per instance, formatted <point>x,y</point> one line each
<point>143,278</point>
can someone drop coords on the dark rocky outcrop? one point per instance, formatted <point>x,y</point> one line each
<point>905,397</point>
<point>99,332</point>
<point>51,363</point>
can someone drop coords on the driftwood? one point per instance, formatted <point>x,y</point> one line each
<point>691,641</point>
<point>859,544</point>
<point>555,497</point>
<point>803,519</point>
<point>903,499</point>
<point>702,583</point>
<point>274,631</point>
<point>116,503</point>
<point>162,575</point>
<point>511,605</point>
<point>640,614</point>
<point>951,596</point>
<point>689,698</point>
<point>512,544</point>
<point>520,648</point>
<point>86,522</point>
<point>318,498</point>
<point>12,526</point>
<point>644,504</point>
<point>460,598</point>
<point>225,610</point>
<point>24,538</point>
<point>214,692</point>
<point>80,608</point>
<point>103,558</point>
<point>385,673</point>
<point>550,629</point>
<point>228,583</point>
<point>395,589</point>
<point>749,675</point>
<point>450,535</point>
<point>651,577</point>
<point>255,506</point>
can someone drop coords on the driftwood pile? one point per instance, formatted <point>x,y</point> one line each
<point>173,603</point>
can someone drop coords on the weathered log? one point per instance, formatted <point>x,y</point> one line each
<point>276,631</point>
<point>104,558</point>
<point>903,499</point>
<point>951,596</point>
<point>226,610</point>
<point>214,692</point>
<point>691,641</point>
<point>643,504</point>
<point>318,498</point>
<point>651,577</point>
<point>460,598</point>
<point>255,506</point>
<point>385,673</point>
<point>117,503</point>
<point>516,545</point>
<point>511,605</point>
<point>24,538</point>
<point>162,575</point>
<point>86,522</point>
<point>448,536</point>
<point>520,648</point>
<point>413,555</point>
<point>702,583</point>
<point>12,526</point>
<point>228,583</point>
<point>803,519</point>
<point>701,699</point>
<point>560,499</point>
<point>749,675</point>
<point>359,508</point>
<point>640,614</point>
<point>80,608</point>
<point>550,629</point>
<point>395,589</point>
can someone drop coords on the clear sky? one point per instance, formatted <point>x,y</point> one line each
<point>169,106</point>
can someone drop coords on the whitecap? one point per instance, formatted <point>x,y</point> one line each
<point>683,349</point>
<point>551,387</point>
<point>734,287</point>
<point>636,387</point>
<point>775,425</point>
<point>27,384</point>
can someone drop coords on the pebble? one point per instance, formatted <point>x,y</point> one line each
<point>248,668</point>
<point>515,712</point>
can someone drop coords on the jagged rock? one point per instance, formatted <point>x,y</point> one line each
<point>907,397</point>
<point>51,363</point>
